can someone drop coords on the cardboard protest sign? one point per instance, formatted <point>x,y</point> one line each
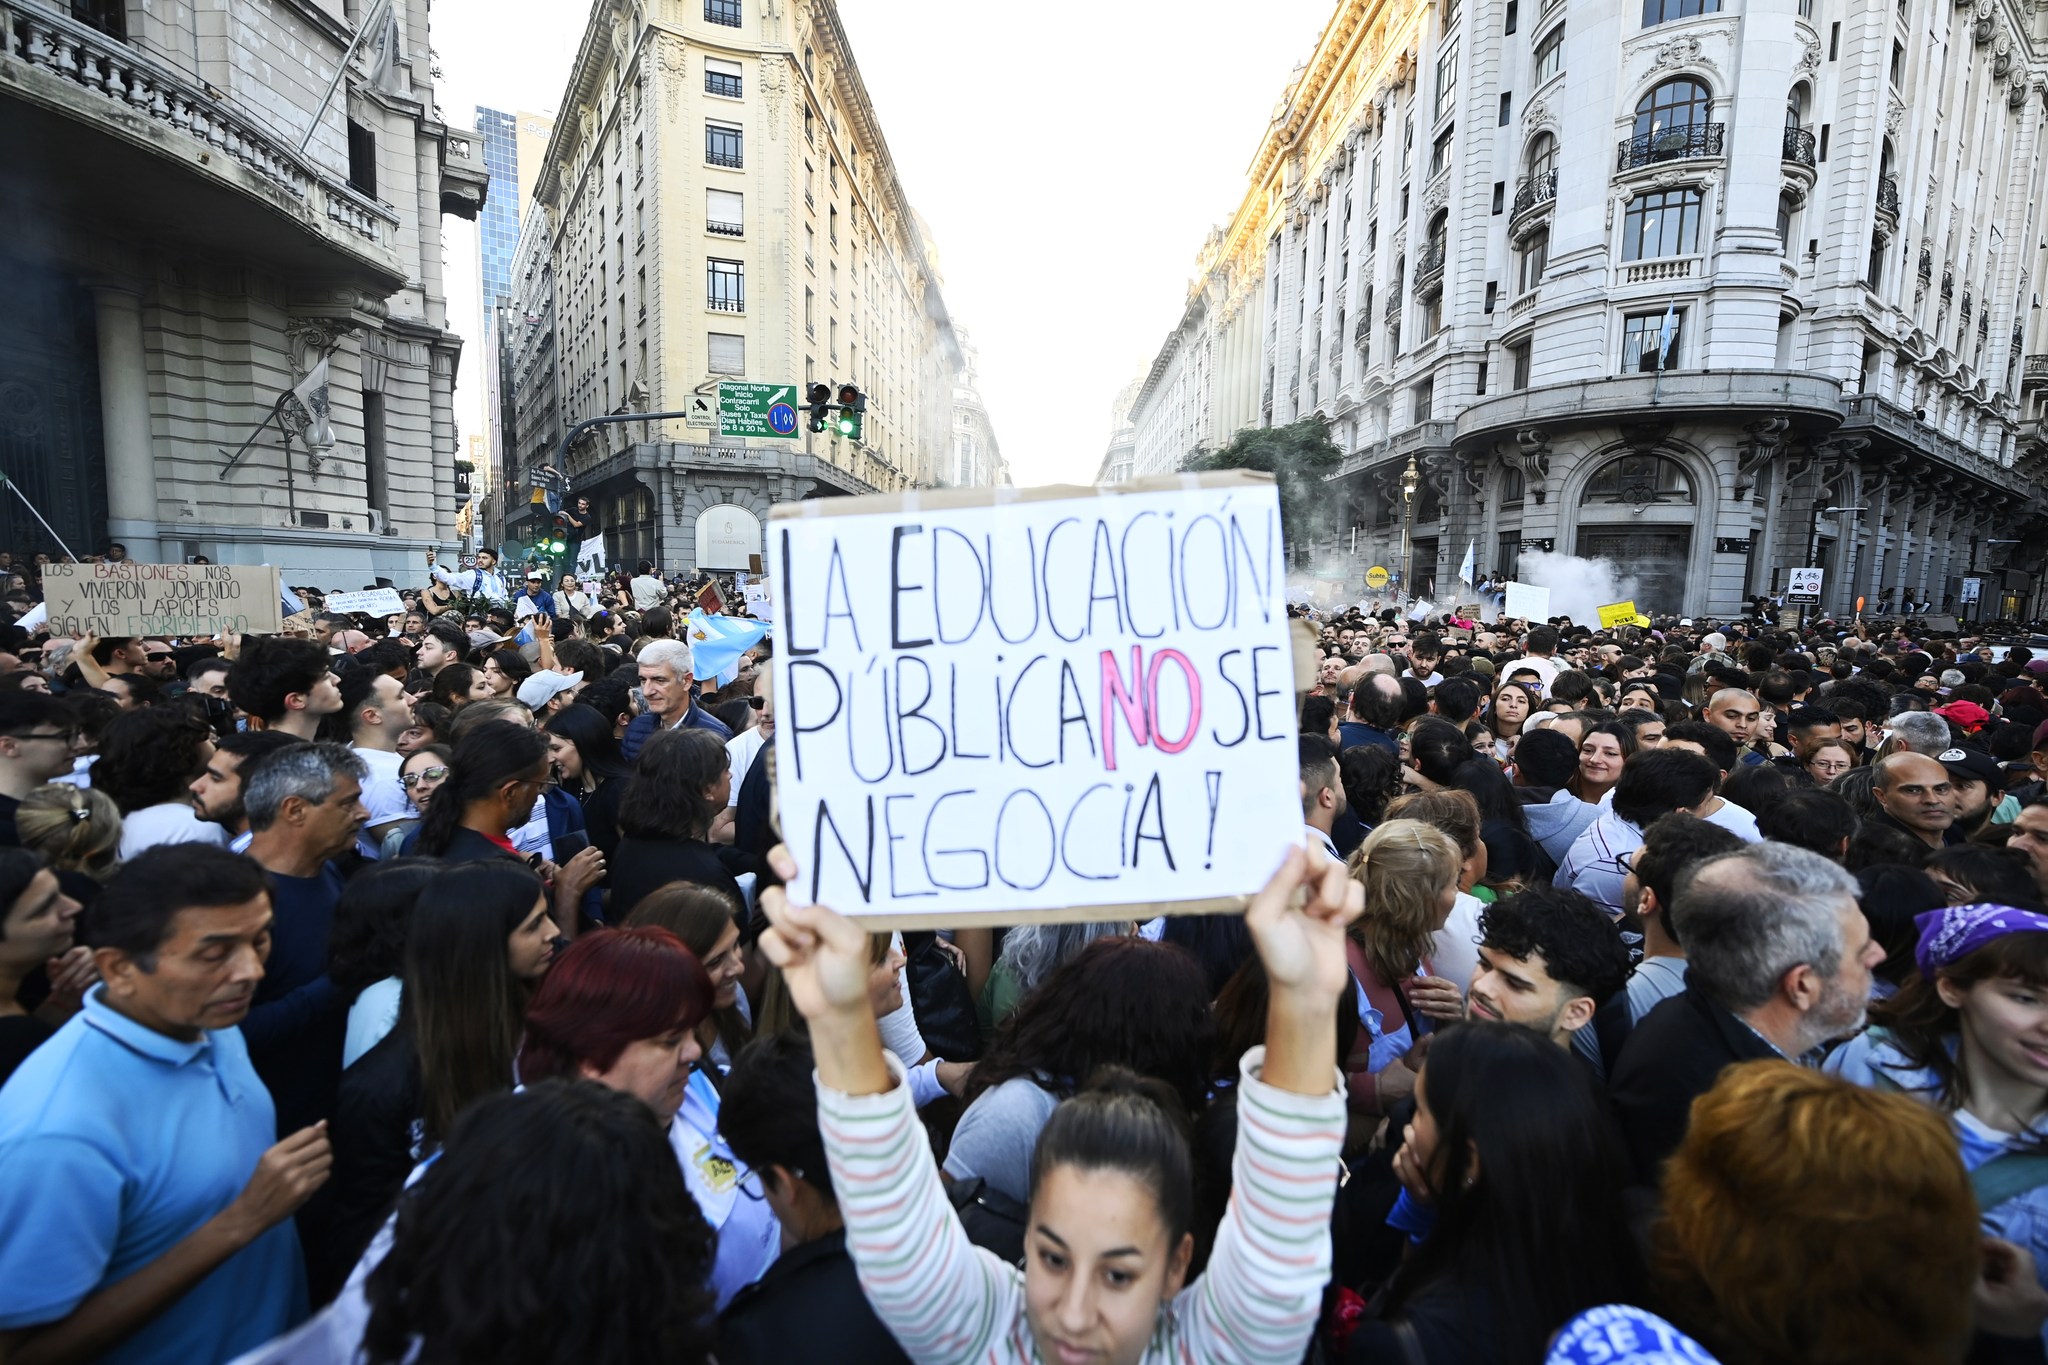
<point>1620,614</point>
<point>1001,707</point>
<point>115,600</point>
<point>760,601</point>
<point>1525,602</point>
<point>373,602</point>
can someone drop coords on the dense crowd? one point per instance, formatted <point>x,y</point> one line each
<point>421,989</point>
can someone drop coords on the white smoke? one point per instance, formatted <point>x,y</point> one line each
<point>1578,587</point>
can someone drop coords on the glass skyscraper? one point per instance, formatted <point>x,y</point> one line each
<point>498,224</point>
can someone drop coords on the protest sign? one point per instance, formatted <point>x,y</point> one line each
<point>590,556</point>
<point>115,600</point>
<point>1617,614</point>
<point>373,602</point>
<point>1003,707</point>
<point>760,601</point>
<point>1525,602</point>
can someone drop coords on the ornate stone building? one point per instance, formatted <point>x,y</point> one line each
<point>198,216</point>
<point>719,203</point>
<point>1714,292</point>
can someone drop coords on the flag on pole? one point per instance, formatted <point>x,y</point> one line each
<point>717,642</point>
<point>387,50</point>
<point>1465,570</point>
<point>1664,333</point>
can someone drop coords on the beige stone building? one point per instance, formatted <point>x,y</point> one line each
<point>721,204</point>
<point>200,208</point>
<point>1711,289</point>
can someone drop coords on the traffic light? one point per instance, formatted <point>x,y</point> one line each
<point>853,406</point>
<point>556,540</point>
<point>818,400</point>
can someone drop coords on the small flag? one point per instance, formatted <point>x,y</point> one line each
<point>1664,335</point>
<point>717,642</point>
<point>1465,569</point>
<point>387,50</point>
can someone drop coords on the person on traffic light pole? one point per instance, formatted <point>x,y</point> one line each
<point>483,581</point>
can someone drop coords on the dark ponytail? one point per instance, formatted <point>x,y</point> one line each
<point>1132,1124</point>
<point>485,759</point>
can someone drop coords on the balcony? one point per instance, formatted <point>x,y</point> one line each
<point>1534,198</point>
<point>715,156</point>
<point>1693,142</point>
<point>722,83</point>
<point>2035,375</point>
<point>1888,198</point>
<point>726,229</point>
<point>725,303</point>
<point>726,12</point>
<point>1429,271</point>
<point>1660,271</point>
<point>465,181</point>
<point>170,158</point>
<point>1799,147</point>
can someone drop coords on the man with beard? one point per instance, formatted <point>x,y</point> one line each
<point>1548,958</point>
<point>1778,962</point>
<point>217,794</point>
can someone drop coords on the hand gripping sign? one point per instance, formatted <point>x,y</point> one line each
<point>1061,704</point>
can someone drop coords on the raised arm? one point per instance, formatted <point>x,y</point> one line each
<point>942,1297</point>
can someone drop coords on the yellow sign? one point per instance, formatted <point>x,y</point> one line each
<point>1620,614</point>
<point>1376,578</point>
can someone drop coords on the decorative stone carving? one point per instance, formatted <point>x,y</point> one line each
<point>1531,456</point>
<point>1766,438</point>
<point>1535,115</point>
<point>675,66</point>
<point>774,90</point>
<point>1894,115</point>
<point>1678,52</point>
<point>1434,197</point>
<point>1810,59</point>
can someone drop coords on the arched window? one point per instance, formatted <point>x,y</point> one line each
<point>1676,104</point>
<point>1439,235</point>
<point>1550,54</point>
<point>1542,156</point>
<point>1637,481</point>
<point>1795,107</point>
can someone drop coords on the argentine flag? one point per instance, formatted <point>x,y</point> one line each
<point>716,643</point>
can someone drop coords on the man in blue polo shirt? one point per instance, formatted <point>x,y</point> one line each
<point>147,1204</point>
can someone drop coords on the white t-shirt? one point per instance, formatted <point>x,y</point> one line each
<point>374,1014</point>
<point>172,822</point>
<point>1455,953</point>
<point>740,752</point>
<point>648,593</point>
<point>1737,821</point>
<point>383,797</point>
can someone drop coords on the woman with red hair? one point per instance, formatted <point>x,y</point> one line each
<point>621,1007</point>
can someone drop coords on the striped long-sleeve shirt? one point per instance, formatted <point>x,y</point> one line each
<point>950,1301</point>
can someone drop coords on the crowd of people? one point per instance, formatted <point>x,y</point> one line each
<point>423,990</point>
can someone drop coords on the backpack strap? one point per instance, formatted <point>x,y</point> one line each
<point>2008,1177</point>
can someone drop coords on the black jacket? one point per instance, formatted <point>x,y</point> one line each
<point>377,1136</point>
<point>812,1286</point>
<point>644,865</point>
<point>1672,1058</point>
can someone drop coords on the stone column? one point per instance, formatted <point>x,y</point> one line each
<point>124,425</point>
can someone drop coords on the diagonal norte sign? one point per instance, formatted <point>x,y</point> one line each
<point>767,411</point>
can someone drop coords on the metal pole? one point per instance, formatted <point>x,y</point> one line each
<point>610,419</point>
<point>340,71</point>
<point>37,515</point>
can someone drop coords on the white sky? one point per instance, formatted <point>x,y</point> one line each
<point>1069,171</point>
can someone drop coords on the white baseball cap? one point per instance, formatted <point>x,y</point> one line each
<point>544,686</point>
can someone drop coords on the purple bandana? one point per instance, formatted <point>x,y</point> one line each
<point>1955,930</point>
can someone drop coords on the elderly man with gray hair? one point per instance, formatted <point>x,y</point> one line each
<point>1778,962</point>
<point>305,806</point>
<point>668,680</point>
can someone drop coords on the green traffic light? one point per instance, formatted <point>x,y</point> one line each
<point>846,426</point>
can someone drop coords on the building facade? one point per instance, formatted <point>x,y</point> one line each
<point>721,204</point>
<point>198,217</point>
<point>977,459</point>
<point>514,146</point>
<point>1710,292</point>
<point>1120,460</point>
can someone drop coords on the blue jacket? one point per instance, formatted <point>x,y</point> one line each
<point>644,725</point>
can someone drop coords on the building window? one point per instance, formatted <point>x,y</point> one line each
<point>1507,108</point>
<point>810,312</point>
<point>1664,223</point>
<point>1518,368</point>
<point>1550,54</point>
<point>725,12</point>
<point>108,16</point>
<point>722,78</point>
<point>1451,10</point>
<point>726,289</point>
<point>1446,82</point>
<point>1514,14</point>
<point>1639,480</point>
<point>1649,341</point>
<point>1672,107</point>
<point>376,470</point>
<point>362,159</point>
<point>1898,65</point>
<point>1440,153</point>
<point>725,353</point>
<point>1787,207</point>
<point>810,126</point>
<point>723,145</point>
<point>1535,255</point>
<point>725,213</point>
<point>1425,400</point>
<point>1664,11</point>
<point>1874,275</point>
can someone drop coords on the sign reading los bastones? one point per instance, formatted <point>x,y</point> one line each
<point>114,600</point>
<point>1035,706</point>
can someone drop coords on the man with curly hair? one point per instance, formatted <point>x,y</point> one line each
<point>149,760</point>
<point>1548,958</point>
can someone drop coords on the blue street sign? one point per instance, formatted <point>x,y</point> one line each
<point>782,417</point>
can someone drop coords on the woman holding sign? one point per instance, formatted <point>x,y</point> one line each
<point>1112,1196</point>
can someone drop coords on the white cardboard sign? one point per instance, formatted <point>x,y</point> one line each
<point>1526,602</point>
<point>1037,710</point>
<point>370,602</point>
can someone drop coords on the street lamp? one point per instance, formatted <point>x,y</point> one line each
<point>1411,479</point>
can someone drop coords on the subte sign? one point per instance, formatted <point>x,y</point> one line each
<point>1804,585</point>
